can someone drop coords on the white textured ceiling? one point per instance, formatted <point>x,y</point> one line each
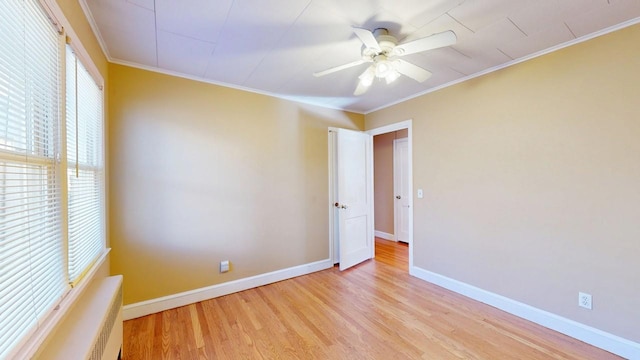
<point>274,46</point>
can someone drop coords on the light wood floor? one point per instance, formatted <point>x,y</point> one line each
<point>372,311</point>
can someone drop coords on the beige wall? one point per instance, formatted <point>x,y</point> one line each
<point>383,179</point>
<point>531,177</point>
<point>202,173</point>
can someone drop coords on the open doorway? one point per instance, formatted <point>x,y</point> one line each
<point>393,212</point>
<point>390,185</point>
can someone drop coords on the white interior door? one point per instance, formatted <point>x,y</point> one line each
<point>401,189</point>
<point>354,196</point>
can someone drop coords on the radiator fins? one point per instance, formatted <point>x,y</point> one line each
<point>103,338</point>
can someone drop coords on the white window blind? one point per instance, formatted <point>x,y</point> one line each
<point>85,167</point>
<point>32,281</point>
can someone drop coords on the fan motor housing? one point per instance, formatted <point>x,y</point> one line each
<point>386,41</point>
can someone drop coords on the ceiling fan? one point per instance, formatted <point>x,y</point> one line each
<point>384,52</point>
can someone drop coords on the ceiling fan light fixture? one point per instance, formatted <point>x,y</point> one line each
<point>392,76</point>
<point>383,66</point>
<point>366,79</point>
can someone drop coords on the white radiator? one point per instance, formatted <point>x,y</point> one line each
<point>93,328</point>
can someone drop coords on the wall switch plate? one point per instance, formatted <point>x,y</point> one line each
<point>584,300</point>
<point>420,194</point>
<point>224,266</point>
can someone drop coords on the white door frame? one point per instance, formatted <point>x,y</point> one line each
<point>333,237</point>
<point>407,124</point>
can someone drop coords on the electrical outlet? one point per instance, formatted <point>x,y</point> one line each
<point>584,300</point>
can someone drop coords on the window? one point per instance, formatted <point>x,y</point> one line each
<point>44,248</point>
<point>85,167</point>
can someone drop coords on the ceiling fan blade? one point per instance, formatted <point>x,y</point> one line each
<point>434,41</point>
<point>413,71</point>
<point>338,68</point>
<point>367,38</point>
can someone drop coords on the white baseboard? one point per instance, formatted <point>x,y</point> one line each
<point>609,342</point>
<point>384,235</point>
<point>152,306</point>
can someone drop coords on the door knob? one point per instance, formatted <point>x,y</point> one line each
<point>398,197</point>
<point>340,206</point>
